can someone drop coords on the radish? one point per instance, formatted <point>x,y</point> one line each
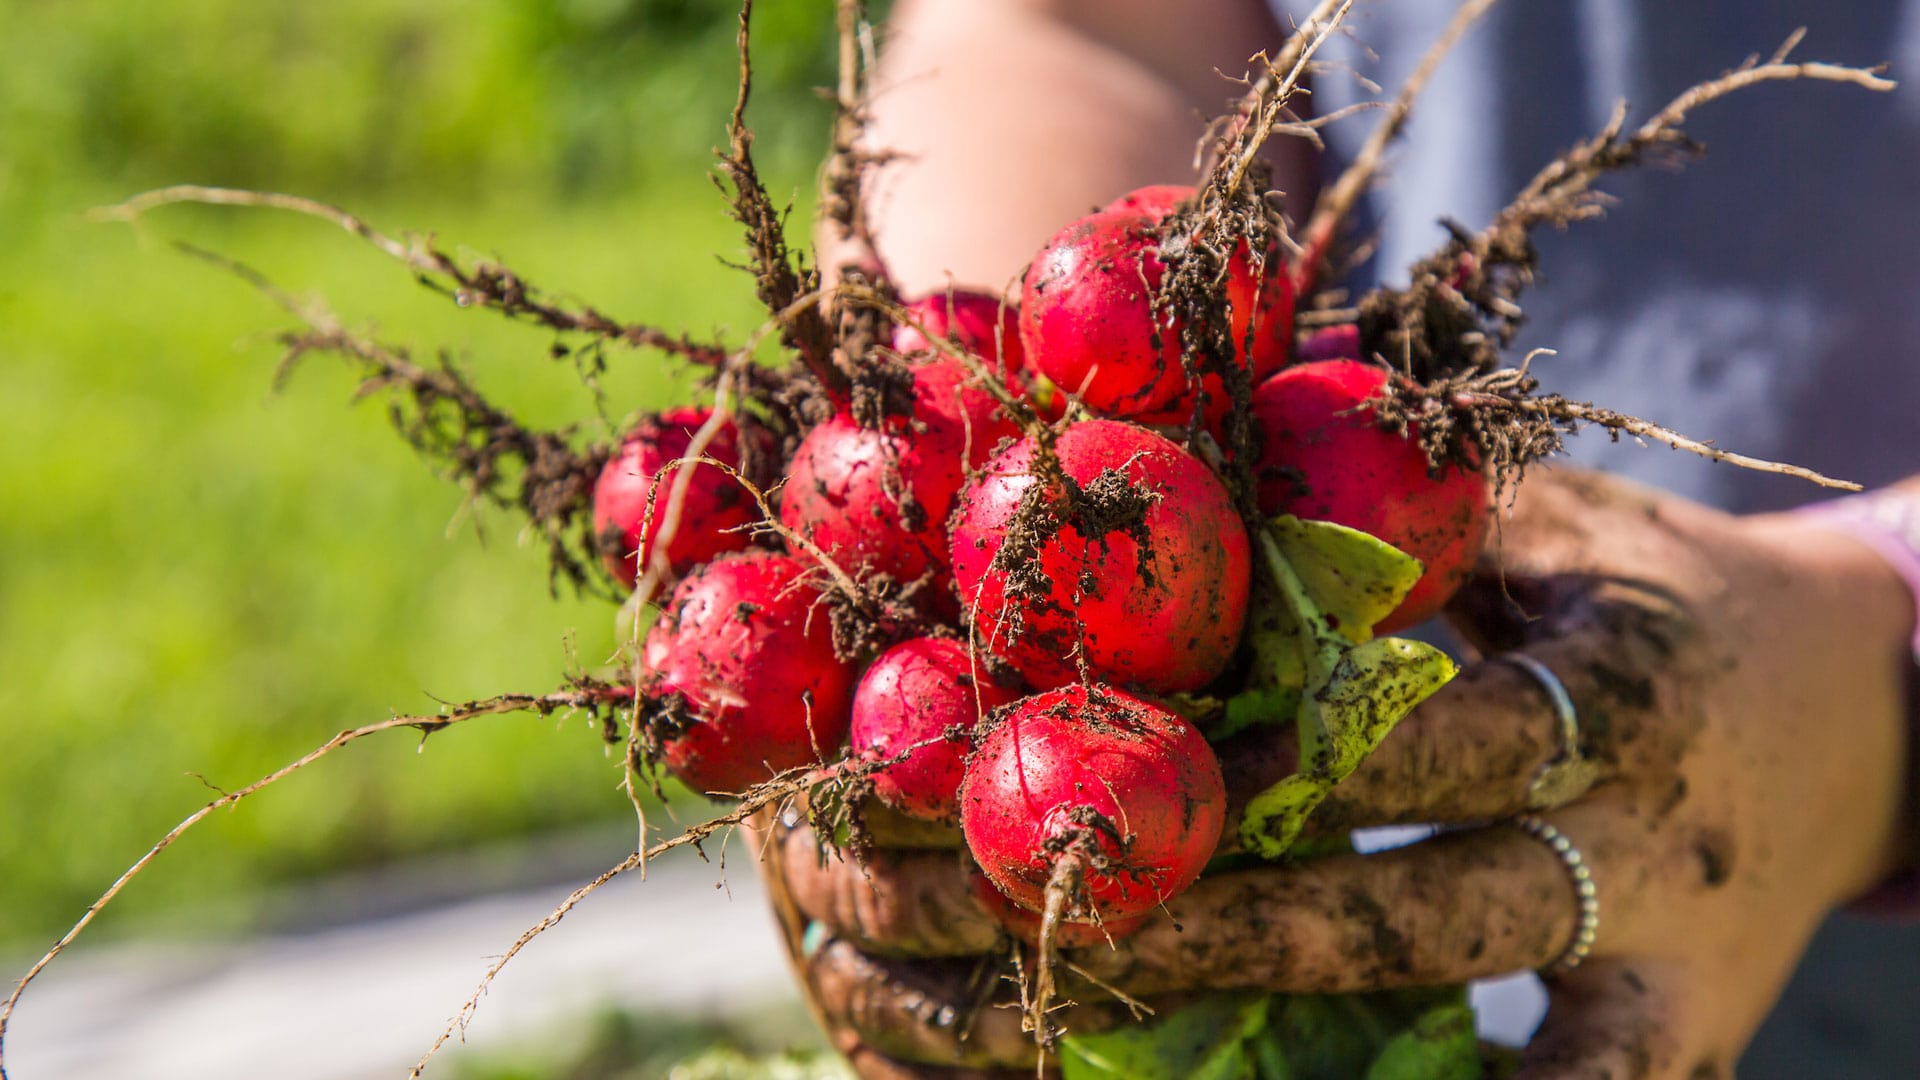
<point>1130,560</point>
<point>713,518</point>
<point>743,681</point>
<point>1025,926</point>
<point>1155,200</point>
<point>876,501</point>
<point>1090,805</point>
<point>989,329</point>
<point>1340,341</point>
<point>979,322</point>
<point>1325,458</point>
<point>1088,323</point>
<point>922,689</point>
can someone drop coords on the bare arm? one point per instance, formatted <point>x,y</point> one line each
<point>1016,116</point>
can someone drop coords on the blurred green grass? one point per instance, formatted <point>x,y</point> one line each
<point>198,576</point>
<point>777,1043</point>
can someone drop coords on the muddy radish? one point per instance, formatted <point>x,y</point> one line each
<point>1089,324</point>
<point>742,679</point>
<point>1091,802</point>
<point>1325,458</point>
<point>876,499</point>
<point>714,515</point>
<point>919,690</point>
<point>1128,558</point>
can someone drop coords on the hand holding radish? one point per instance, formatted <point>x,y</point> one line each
<point>1714,832</point>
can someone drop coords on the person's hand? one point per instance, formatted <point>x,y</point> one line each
<point>1738,682</point>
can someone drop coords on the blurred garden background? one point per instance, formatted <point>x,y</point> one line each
<point>200,578</point>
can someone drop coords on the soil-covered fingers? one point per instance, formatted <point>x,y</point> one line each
<point>1624,649</point>
<point>954,1013</point>
<point>1466,905</point>
<point>1472,751</point>
<point>895,902</point>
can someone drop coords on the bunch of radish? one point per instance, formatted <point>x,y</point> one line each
<point>1045,495</point>
<point>1012,565</point>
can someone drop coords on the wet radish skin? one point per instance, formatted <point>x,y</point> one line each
<point>921,689</point>
<point>978,321</point>
<point>1163,618</point>
<point>713,515</point>
<point>747,642</point>
<point>1087,319</point>
<point>1054,761</point>
<point>876,501</point>
<point>1155,200</point>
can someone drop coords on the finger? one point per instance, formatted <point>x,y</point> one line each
<point>1467,905</point>
<point>955,1013</point>
<point>1468,753</point>
<point>1614,1020</point>
<point>1472,751</point>
<point>897,903</point>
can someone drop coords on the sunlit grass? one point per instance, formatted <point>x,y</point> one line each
<point>200,576</point>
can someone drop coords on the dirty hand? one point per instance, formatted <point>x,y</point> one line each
<point>1737,681</point>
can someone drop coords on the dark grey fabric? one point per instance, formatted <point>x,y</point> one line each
<point>1766,297</point>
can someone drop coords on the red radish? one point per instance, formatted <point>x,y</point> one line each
<point>743,681</point>
<point>712,517</point>
<point>980,322</point>
<point>947,388</point>
<point>1155,200</point>
<point>1141,571</point>
<point>876,501</point>
<point>1086,791</point>
<point>1338,342</point>
<point>1024,925</point>
<point>922,689</point>
<point>1088,324</point>
<point>983,326</point>
<point>1273,326</point>
<point>1325,458</point>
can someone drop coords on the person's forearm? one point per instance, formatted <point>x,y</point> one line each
<point>1013,117</point>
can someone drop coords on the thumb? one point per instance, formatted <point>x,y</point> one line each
<point>1614,1020</point>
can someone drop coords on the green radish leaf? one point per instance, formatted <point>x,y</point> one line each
<point>1441,1045</point>
<point>1208,1040</point>
<point>1252,707</point>
<point>1373,686</point>
<point>1422,1034</point>
<point>1418,1034</point>
<point>1195,707</point>
<point>1277,640</point>
<point>1270,1056</point>
<point>1369,690</point>
<point>1355,690</point>
<point>1353,578</point>
<point>1326,1037</point>
<point>1274,818</point>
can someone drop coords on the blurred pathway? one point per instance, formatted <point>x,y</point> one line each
<point>365,999</point>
